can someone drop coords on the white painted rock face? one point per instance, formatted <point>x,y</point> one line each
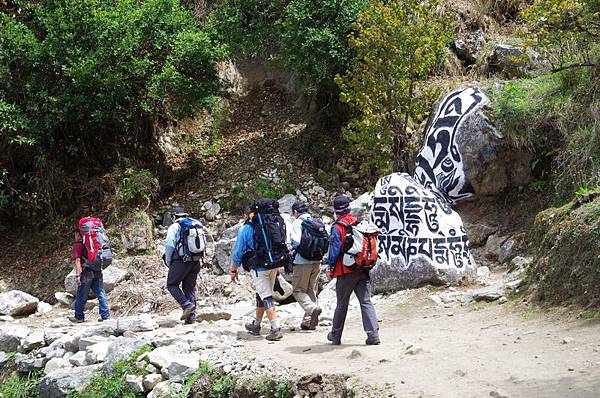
<point>16,302</point>
<point>422,240</point>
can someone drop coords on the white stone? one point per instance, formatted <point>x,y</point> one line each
<point>64,298</point>
<point>163,356</point>
<point>57,363</point>
<point>483,272</point>
<point>151,380</point>
<point>61,381</point>
<point>16,302</point>
<point>136,383</point>
<point>166,389</point>
<point>78,359</point>
<point>96,353</point>
<point>85,342</point>
<point>43,308</point>
<point>33,341</point>
<point>183,366</point>
<point>141,323</point>
<point>11,336</point>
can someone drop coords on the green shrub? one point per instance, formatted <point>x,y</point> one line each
<point>113,385</point>
<point>555,117</point>
<point>242,195</point>
<point>136,186</point>
<point>21,387</point>
<point>397,44</point>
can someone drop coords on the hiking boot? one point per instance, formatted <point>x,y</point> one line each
<point>253,328</point>
<point>305,326</point>
<point>75,320</point>
<point>103,319</point>
<point>275,335</point>
<point>373,340</point>
<point>333,342</point>
<point>314,318</point>
<point>187,311</point>
<point>190,321</point>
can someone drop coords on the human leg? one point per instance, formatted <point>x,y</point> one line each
<point>300,283</point>
<point>344,286</point>
<point>83,290</point>
<point>177,273</point>
<point>367,310</point>
<point>98,289</point>
<point>189,286</point>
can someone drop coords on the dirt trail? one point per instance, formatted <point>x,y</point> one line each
<point>477,350</point>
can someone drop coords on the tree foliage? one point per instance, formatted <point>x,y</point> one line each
<point>84,79</point>
<point>397,45</point>
<point>308,36</point>
<point>568,32</point>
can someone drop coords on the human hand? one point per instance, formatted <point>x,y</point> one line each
<point>234,275</point>
<point>78,280</point>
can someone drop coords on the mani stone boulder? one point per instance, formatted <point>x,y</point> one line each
<point>16,302</point>
<point>464,154</point>
<point>422,240</point>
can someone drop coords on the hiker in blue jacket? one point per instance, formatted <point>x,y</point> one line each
<point>264,279</point>
<point>181,273</point>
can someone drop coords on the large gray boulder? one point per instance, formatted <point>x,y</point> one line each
<point>224,246</point>
<point>140,323</point>
<point>361,206</point>
<point>16,302</point>
<point>422,240</point>
<point>286,203</point>
<point>464,154</point>
<point>111,276</point>
<point>513,62</point>
<point>11,336</point>
<point>120,349</point>
<point>59,383</point>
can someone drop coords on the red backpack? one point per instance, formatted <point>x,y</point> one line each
<point>95,240</point>
<point>360,245</point>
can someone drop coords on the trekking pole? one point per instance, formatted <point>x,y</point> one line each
<point>262,229</point>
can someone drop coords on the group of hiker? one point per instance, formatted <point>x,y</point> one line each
<point>265,249</point>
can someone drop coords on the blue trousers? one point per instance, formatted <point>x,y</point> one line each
<point>91,280</point>
<point>181,282</point>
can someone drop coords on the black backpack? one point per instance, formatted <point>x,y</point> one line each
<point>315,241</point>
<point>269,227</point>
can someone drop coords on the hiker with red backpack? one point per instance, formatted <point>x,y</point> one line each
<point>309,241</point>
<point>352,252</point>
<point>261,250</point>
<point>91,253</point>
<point>184,249</point>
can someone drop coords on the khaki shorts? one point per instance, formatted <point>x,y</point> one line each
<point>264,282</point>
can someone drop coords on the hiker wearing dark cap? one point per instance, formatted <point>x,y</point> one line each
<point>184,248</point>
<point>306,270</point>
<point>348,280</point>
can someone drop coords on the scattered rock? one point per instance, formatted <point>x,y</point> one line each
<point>59,383</point>
<point>182,367</point>
<point>496,394</point>
<point>479,233</point>
<point>460,373</point>
<point>286,202</point>
<point>483,272</point>
<point>567,340</point>
<point>151,380</point>
<point>212,209</point>
<point>514,285</point>
<point>490,293</point>
<point>33,341</point>
<point>64,298</point>
<point>43,308</point>
<point>86,342</point>
<point>166,389</point>
<point>502,300</point>
<point>96,353</point>
<point>57,363</point>
<point>119,350</point>
<point>212,314</point>
<point>78,359</point>
<point>413,350</point>
<point>136,383</point>
<point>163,356</point>
<point>29,362</point>
<point>513,62</point>
<point>16,302</point>
<point>140,323</point>
<point>492,246</point>
<point>11,336</point>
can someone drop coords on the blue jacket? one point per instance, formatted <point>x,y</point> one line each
<point>245,242</point>
<point>335,247</point>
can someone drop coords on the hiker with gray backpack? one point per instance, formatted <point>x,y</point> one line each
<point>261,250</point>
<point>309,242</point>
<point>184,249</point>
